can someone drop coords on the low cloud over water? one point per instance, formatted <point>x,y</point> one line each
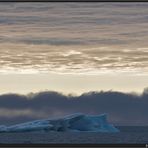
<point>122,108</point>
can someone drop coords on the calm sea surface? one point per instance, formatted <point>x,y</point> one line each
<point>127,135</point>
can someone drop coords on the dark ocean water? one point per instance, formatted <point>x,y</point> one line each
<point>128,135</point>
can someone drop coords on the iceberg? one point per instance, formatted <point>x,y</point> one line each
<point>76,123</point>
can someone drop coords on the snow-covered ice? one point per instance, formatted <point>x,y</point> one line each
<point>75,122</point>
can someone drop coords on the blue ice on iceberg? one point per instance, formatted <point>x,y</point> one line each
<point>76,122</point>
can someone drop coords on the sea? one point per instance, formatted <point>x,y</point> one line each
<point>127,135</point>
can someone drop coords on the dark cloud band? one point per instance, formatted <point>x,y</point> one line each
<point>123,109</point>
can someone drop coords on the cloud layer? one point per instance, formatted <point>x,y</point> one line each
<point>122,108</point>
<point>39,37</point>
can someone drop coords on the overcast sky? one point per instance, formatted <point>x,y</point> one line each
<point>73,37</point>
<point>83,46</point>
<point>73,47</point>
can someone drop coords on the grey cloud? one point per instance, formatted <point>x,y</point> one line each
<point>107,41</point>
<point>76,17</point>
<point>51,41</point>
<point>123,109</point>
<point>136,33</point>
<point>62,41</point>
<point>114,25</point>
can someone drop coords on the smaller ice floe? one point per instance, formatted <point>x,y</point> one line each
<point>75,122</point>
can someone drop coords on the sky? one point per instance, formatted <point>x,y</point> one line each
<point>73,48</point>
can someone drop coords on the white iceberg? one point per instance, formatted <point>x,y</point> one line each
<point>76,122</point>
